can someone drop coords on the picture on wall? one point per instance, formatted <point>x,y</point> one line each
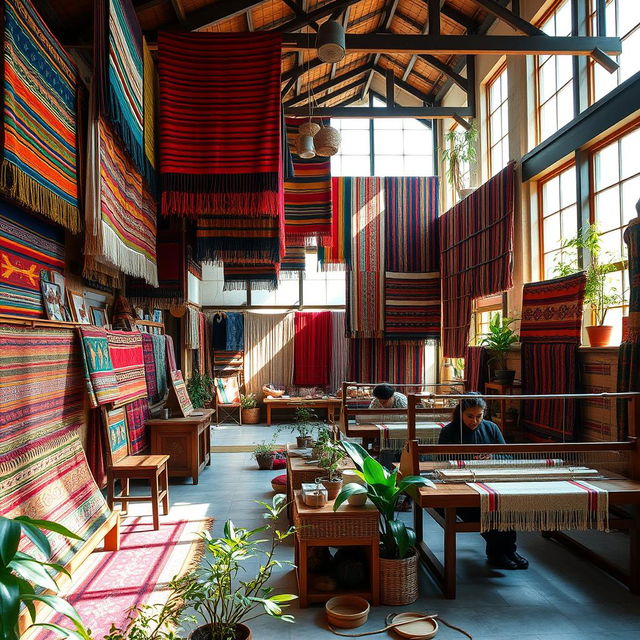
<point>180,389</point>
<point>53,304</point>
<point>78,307</point>
<point>98,316</point>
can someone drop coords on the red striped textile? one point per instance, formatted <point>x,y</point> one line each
<point>476,368</point>
<point>476,254</point>
<point>375,360</point>
<point>261,276</point>
<point>312,347</point>
<point>125,351</point>
<point>220,123</point>
<point>337,254</point>
<point>137,415</point>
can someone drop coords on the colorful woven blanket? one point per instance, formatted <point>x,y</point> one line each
<point>100,378</point>
<point>235,331</point>
<point>294,260</point>
<point>261,276</point>
<point>119,74</point>
<point>220,123</point>
<point>27,247</point>
<point>339,351</point>
<point>312,347</point>
<point>125,350</point>
<point>150,81</point>
<point>227,363</point>
<point>43,468</point>
<point>411,225</point>
<point>412,306</point>
<point>150,368</point>
<point>337,254</point>
<point>171,355</point>
<point>375,360</point>
<point>137,415</point>
<point>307,195</point>
<point>39,141</point>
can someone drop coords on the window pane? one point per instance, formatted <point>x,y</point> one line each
<point>608,209</point>
<point>569,224</point>
<point>551,230</point>
<point>564,66</point>
<point>418,165</point>
<point>355,141</point>
<point>495,123</point>
<point>548,122</point>
<point>629,58</point>
<point>611,246</point>
<point>355,166</point>
<point>550,261</point>
<point>551,196</point>
<point>388,142</point>
<point>606,166</point>
<point>286,294</point>
<point>388,165</point>
<point>628,13</point>
<point>354,123</point>
<point>547,81</point>
<point>568,187</point>
<point>388,123</point>
<point>630,154</point>
<point>565,105</point>
<point>563,19</point>
<point>495,94</point>
<point>415,144</point>
<point>630,195</point>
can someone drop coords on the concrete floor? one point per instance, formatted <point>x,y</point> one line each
<point>560,597</point>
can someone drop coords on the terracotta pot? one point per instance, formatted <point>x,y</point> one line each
<point>304,442</point>
<point>251,416</point>
<point>204,633</point>
<point>265,461</point>
<point>600,336</point>
<point>333,488</point>
<point>399,580</point>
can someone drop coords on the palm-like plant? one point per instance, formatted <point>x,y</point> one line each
<point>384,489</point>
<point>499,339</point>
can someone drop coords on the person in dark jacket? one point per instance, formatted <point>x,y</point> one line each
<point>469,427</point>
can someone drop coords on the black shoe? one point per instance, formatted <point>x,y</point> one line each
<point>503,561</point>
<point>522,563</point>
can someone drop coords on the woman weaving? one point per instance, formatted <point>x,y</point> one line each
<point>469,427</point>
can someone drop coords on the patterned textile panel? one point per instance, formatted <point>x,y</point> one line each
<point>476,255</point>
<point>261,276</point>
<point>366,360</point>
<point>160,360</point>
<point>137,415</point>
<point>43,468</point>
<point>150,80</point>
<point>412,306</point>
<point>294,259</point>
<point>307,195</point>
<point>125,350</point>
<point>227,363</point>
<point>194,267</point>
<point>27,247</point>
<point>150,368</point>
<point>227,390</point>
<point>476,368</point>
<point>598,375</point>
<point>235,331</point>
<point>100,378</point>
<point>337,255</point>
<point>340,351</point>
<point>411,228</point>
<point>374,360</point>
<point>39,142</point>
<point>220,123</point>
<point>552,309</point>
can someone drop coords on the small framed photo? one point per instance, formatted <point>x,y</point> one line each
<point>78,307</point>
<point>98,316</point>
<point>53,304</point>
<point>157,315</point>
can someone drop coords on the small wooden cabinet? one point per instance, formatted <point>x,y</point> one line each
<point>187,441</point>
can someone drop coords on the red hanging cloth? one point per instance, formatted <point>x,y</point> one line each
<point>312,347</point>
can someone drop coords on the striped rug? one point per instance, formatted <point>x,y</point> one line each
<point>261,276</point>
<point>337,254</point>
<point>125,351</point>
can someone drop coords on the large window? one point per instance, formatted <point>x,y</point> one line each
<point>558,218</point>
<point>498,121</point>
<point>554,77</point>
<point>354,157</point>
<point>623,20</point>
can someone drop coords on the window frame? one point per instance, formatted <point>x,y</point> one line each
<point>492,80</point>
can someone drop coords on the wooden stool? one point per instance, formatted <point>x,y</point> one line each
<point>124,467</point>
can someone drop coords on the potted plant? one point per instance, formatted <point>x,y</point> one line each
<point>21,573</point>
<point>200,389</point>
<point>599,294</point>
<point>250,409</point>
<point>224,592</point>
<point>460,149</point>
<point>306,421</point>
<point>264,455</point>
<point>398,557</point>
<point>330,457</point>
<point>151,622</point>
<point>498,343</point>
<point>324,436</point>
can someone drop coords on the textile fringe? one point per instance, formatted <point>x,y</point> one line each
<point>525,519</point>
<point>256,285</point>
<point>106,275</point>
<point>33,195</point>
<point>286,274</point>
<point>165,304</point>
<point>308,239</point>
<point>119,120</point>
<point>240,255</point>
<point>332,266</point>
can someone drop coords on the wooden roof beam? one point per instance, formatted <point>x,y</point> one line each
<point>300,9</point>
<point>293,73</point>
<point>316,14</point>
<point>329,96</point>
<point>458,16</point>
<point>214,13</point>
<point>405,86</point>
<point>345,24</point>
<point>433,20</point>
<point>420,113</point>
<point>179,11</point>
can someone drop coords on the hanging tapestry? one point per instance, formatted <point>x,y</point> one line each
<point>294,260</point>
<point>312,347</point>
<point>43,468</point>
<point>160,359</point>
<point>219,330</point>
<point>39,136</point>
<point>27,247</point>
<point>137,415</point>
<point>412,306</point>
<point>194,267</point>
<point>411,225</point>
<point>121,213</point>
<point>192,337</point>
<point>339,364</point>
<point>125,350</point>
<point>366,360</point>
<point>476,255</point>
<point>150,368</point>
<point>100,379</point>
<point>119,74</point>
<point>171,355</point>
<point>94,447</point>
<point>336,256</point>
<point>226,363</point>
<point>550,336</point>
<point>220,123</point>
<point>404,362</point>
<point>235,331</point>
<point>476,368</point>
<point>307,196</point>
<point>150,80</point>
<point>256,239</point>
<point>261,276</point>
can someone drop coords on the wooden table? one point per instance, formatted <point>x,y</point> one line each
<point>186,440</point>
<point>346,527</point>
<point>449,497</point>
<point>329,403</point>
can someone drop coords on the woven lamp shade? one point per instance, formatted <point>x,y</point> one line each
<point>308,129</point>
<point>331,42</point>
<point>327,141</point>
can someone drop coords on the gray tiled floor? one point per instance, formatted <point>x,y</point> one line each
<point>560,597</point>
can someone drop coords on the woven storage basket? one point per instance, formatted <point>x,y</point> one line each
<point>327,141</point>
<point>335,527</point>
<point>399,580</point>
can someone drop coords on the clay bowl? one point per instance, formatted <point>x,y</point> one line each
<point>416,630</point>
<point>347,612</point>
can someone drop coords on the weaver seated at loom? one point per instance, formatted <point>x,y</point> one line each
<point>498,489</point>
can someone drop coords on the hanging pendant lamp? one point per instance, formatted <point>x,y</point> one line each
<point>327,141</point>
<point>306,147</point>
<point>331,42</point>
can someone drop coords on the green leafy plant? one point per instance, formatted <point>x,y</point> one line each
<point>460,148</point>
<point>305,422</point>
<point>499,339</point>
<point>331,455</point>
<point>599,294</point>
<point>200,389</point>
<point>263,450</point>
<point>248,401</point>
<point>384,489</point>
<point>21,574</point>
<point>151,622</point>
<point>222,592</point>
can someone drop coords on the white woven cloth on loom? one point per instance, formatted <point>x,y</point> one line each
<point>492,462</point>
<point>394,436</point>
<point>507,474</point>
<point>542,506</point>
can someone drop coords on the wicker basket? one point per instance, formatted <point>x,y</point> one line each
<point>327,141</point>
<point>399,580</point>
<point>335,527</point>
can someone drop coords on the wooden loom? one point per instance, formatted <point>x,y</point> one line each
<point>617,462</point>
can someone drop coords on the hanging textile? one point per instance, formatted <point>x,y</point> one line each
<point>194,267</point>
<point>227,363</point>
<point>312,348</point>
<point>476,368</point>
<point>261,276</point>
<point>294,261</point>
<point>171,355</point>
<point>336,256</point>
<point>366,360</point>
<point>150,80</point>
<point>219,330</point>
<point>192,338</point>
<point>204,345</point>
<point>476,255</point>
<point>160,359</point>
<point>629,352</point>
<point>234,331</point>
<point>39,135</point>
<point>95,448</point>
<point>307,195</point>
<point>339,363</point>
<point>220,123</point>
<point>404,362</point>
<point>287,159</point>
<point>125,351</point>
<point>269,350</point>
<point>137,415</point>
<point>100,378</point>
<point>119,72</point>
<point>550,336</point>
<point>43,468</point>
<point>150,368</point>
<point>28,246</point>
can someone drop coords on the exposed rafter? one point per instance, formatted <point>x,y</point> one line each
<point>419,113</point>
<point>179,11</point>
<point>345,25</point>
<point>300,9</point>
<point>405,86</point>
<point>213,13</point>
<point>316,14</point>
